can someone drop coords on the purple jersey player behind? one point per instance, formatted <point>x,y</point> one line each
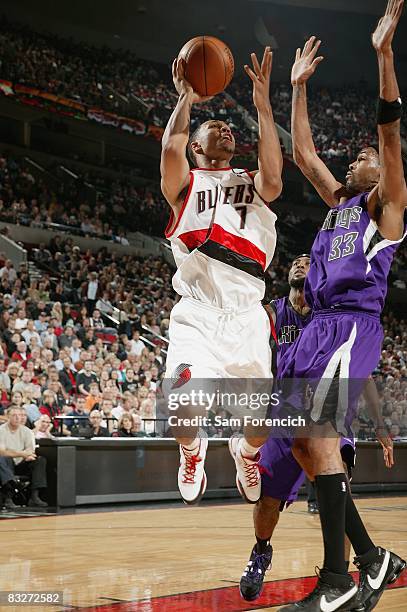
<point>282,476</point>
<point>346,288</point>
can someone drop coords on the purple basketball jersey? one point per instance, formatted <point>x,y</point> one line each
<point>350,261</point>
<point>289,324</point>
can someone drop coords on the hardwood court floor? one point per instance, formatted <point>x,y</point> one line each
<point>177,559</point>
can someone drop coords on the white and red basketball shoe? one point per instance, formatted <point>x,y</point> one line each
<point>191,473</point>
<point>248,479</point>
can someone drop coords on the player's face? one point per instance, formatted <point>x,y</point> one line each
<point>364,172</point>
<point>298,271</point>
<point>216,140</point>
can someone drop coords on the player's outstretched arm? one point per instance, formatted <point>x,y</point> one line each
<point>174,164</point>
<point>392,191</point>
<point>305,155</point>
<point>267,180</point>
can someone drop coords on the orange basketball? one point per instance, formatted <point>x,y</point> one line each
<point>209,64</point>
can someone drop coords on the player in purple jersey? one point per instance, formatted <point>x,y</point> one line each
<point>346,288</point>
<point>282,476</point>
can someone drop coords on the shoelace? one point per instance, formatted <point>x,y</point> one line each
<point>190,466</point>
<point>251,473</point>
<point>257,566</point>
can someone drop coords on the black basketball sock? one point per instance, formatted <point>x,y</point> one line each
<point>355,529</point>
<point>261,546</point>
<point>331,495</point>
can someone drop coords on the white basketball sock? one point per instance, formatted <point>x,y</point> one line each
<point>248,450</point>
<point>194,445</point>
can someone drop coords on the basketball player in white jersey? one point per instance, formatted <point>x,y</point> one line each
<point>223,238</point>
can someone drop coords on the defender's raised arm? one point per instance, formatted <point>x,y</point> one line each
<point>392,191</point>
<point>305,155</point>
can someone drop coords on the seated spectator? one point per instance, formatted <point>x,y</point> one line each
<point>50,407</point>
<point>21,354</point>
<point>94,398</point>
<point>96,320</point>
<point>4,377</point>
<point>42,428</point>
<point>126,427</point>
<point>17,457</point>
<point>23,383</point>
<point>67,376</point>
<point>30,332</point>
<point>137,345</point>
<point>96,429</point>
<point>85,377</point>
<point>79,410</point>
<point>30,407</point>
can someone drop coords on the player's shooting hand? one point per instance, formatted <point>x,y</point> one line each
<point>305,62</point>
<point>382,37</point>
<point>385,440</point>
<point>182,85</point>
<point>260,76</point>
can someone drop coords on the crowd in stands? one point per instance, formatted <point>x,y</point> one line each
<point>113,80</point>
<point>59,357</point>
<point>343,119</point>
<point>93,205</point>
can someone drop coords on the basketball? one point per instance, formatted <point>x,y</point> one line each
<point>209,64</point>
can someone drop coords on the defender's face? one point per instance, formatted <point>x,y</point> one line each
<point>364,172</point>
<point>215,140</point>
<point>298,271</point>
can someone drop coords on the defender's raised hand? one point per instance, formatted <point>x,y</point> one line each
<point>260,76</point>
<point>182,85</point>
<point>305,62</point>
<point>382,37</point>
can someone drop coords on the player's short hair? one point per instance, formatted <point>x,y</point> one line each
<point>300,256</point>
<point>194,136</point>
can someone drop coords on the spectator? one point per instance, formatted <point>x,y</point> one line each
<point>17,457</point>
<point>126,427</point>
<point>85,378</point>
<point>42,428</point>
<point>95,420</point>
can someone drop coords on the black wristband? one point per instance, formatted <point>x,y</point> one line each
<point>387,112</point>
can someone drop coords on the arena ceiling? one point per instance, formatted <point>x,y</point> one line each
<point>156,29</point>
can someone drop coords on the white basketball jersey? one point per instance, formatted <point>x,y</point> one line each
<point>223,239</point>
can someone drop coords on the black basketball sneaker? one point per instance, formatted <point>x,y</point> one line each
<point>376,574</point>
<point>251,582</point>
<point>333,592</point>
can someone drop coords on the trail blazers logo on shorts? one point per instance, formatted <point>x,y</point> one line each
<point>181,375</point>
